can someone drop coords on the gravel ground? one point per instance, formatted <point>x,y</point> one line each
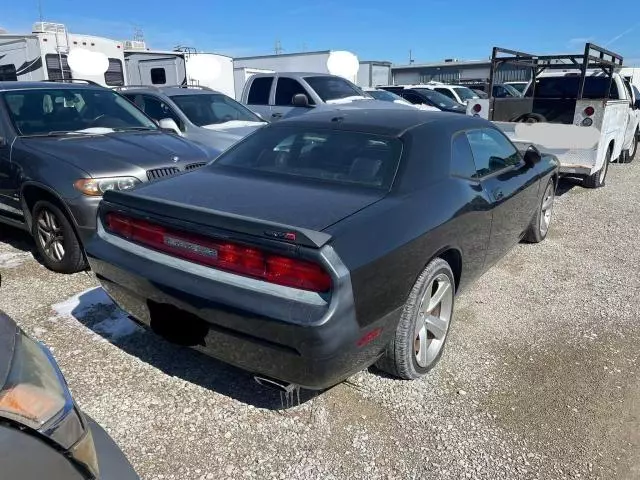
<point>540,378</point>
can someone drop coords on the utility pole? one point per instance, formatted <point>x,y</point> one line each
<point>278,47</point>
<point>410,57</point>
<point>40,9</point>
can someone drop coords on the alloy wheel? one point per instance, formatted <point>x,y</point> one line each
<point>50,235</point>
<point>434,317</point>
<point>547,209</point>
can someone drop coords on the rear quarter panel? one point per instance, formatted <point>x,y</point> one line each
<point>387,245</point>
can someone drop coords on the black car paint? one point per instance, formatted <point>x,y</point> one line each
<point>50,165</point>
<point>27,455</point>
<point>425,99</point>
<point>383,247</point>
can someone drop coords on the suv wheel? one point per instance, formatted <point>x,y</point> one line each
<point>56,240</point>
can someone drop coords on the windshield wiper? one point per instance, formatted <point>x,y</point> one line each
<point>134,129</point>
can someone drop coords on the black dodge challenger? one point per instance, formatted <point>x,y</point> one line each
<point>322,244</point>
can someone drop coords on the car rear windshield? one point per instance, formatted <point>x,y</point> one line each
<point>438,98</point>
<point>213,109</point>
<point>332,156</point>
<point>332,88</point>
<point>567,87</point>
<point>45,111</point>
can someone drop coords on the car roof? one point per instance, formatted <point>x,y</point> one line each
<point>170,90</point>
<point>9,85</point>
<point>294,74</point>
<point>387,122</point>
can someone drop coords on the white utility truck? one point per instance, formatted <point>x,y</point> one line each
<point>575,107</point>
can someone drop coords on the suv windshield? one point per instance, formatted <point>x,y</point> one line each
<point>332,156</point>
<point>213,109</point>
<point>438,98</point>
<point>465,93</point>
<point>46,111</point>
<point>566,87</point>
<point>332,88</point>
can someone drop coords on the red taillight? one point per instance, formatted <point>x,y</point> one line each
<point>589,111</point>
<point>477,108</point>
<point>241,259</point>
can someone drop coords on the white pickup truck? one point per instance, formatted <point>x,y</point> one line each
<point>576,108</point>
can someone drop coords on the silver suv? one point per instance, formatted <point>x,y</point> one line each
<point>197,113</point>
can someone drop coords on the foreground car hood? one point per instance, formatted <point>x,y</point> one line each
<point>280,201</point>
<point>117,153</point>
<point>221,137</point>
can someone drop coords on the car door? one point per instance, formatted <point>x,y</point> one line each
<point>286,89</point>
<point>9,198</point>
<point>511,185</point>
<point>259,95</point>
<point>632,116</point>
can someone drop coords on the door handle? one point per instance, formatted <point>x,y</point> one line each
<point>276,115</point>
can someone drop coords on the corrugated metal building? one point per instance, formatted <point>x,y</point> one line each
<point>454,71</point>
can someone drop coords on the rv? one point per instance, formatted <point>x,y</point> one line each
<point>50,52</point>
<point>182,67</point>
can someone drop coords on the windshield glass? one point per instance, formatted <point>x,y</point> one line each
<point>512,90</point>
<point>567,87</point>
<point>519,86</point>
<point>385,96</point>
<point>305,153</point>
<point>332,88</point>
<point>45,111</point>
<point>438,98</point>
<point>212,109</point>
<point>465,93</point>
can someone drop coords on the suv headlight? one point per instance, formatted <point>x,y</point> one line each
<point>96,187</point>
<point>35,394</point>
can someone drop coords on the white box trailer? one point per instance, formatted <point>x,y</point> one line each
<point>374,73</point>
<point>335,62</point>
<point>188,67</point>
<point>50,52</point>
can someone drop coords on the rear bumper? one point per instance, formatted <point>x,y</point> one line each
<point>308,340</point>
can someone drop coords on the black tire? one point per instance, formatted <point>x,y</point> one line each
<point>599,178</point>
<point>537,231</point>
<point>72,259</point>
<point>400,356</point>
<point>628,155</point>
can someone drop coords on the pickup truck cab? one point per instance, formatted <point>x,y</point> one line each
<point>276,95</point>
<point>586,118</point>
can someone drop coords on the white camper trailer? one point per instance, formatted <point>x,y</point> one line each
<point>50,52</point>
<point>185,67</point>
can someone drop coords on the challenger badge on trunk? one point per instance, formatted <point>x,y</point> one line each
<point>193,247</point>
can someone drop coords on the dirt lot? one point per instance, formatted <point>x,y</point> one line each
<point>540,379</point>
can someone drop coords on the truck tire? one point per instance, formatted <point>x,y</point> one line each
<point>56,240</point>
<point>423,329</point>
<point>627,156</point>
<point>597,179</point>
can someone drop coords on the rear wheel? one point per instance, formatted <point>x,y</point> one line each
<point>422,332</point>
<point>628,155</point>
<point>540,225</point>
<point>597,180</point>
<point>56,240</point>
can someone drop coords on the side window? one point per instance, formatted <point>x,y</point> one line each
<point>286,88</point>
<point>627,86</point>
<point>114,76</point>
<point>259,91</point>
<point>446,91</point>
<point>462,163</point>
<point>157,109</point>
<point>158,76</point>
<point>57,67</point>
<point>499,91</point>
<point>413,98</point>
<point>613,93</point>
<point>492,151</point>
<point>8,73</point>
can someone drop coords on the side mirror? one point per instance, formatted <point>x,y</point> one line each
<point>532,156</point>
<point>170,125</point>
<point>300,100</point>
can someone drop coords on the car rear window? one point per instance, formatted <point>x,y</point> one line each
<point>333,156</point>
<point>567,87</point>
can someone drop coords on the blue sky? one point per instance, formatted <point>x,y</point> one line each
<point>373,29</point>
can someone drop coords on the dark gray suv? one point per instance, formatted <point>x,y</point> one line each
<point>62,146</point>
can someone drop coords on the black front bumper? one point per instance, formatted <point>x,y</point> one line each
<point>112,462</point>
<point>169,298</point>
